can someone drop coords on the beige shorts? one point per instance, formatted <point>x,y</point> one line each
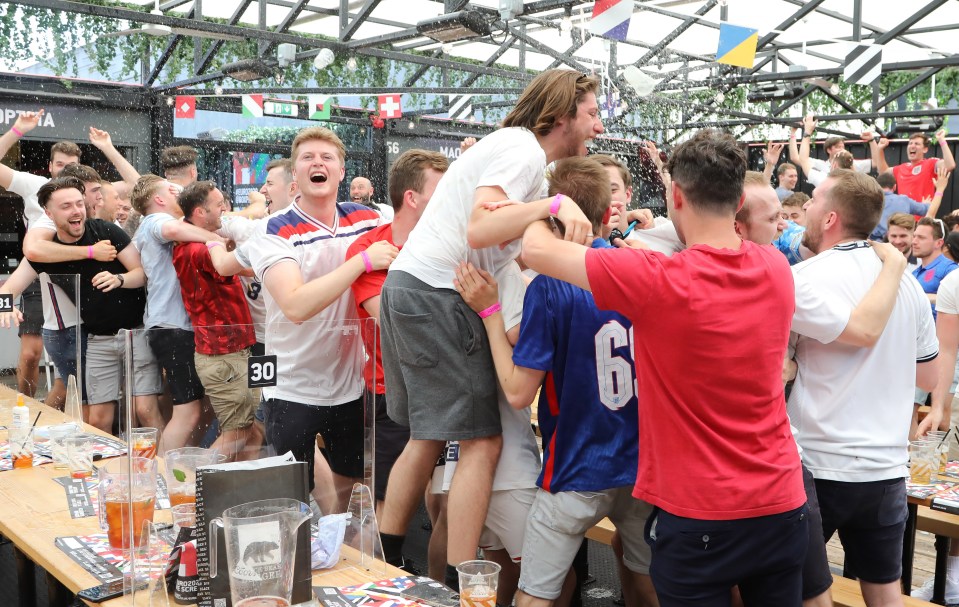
<point>224,379</point>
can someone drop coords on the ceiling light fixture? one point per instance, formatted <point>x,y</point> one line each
<point>454,26</point>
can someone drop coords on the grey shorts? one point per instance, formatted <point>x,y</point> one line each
<point>105,362</point>
<point>559,521</point>
<point>436,358</point>
<point>506,517</point>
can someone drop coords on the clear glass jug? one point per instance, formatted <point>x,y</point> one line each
<point>260,550</point>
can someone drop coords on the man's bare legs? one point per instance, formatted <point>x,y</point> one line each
<point>882,595</point>
<point>241,444</point>
<point>57,396</point>
<point>100,416</point>
<point>410,474</point>
<point>178,432</point>
<point>637,588</point>
<point>148,412</point>
<point>324,491</point>
<point>28,364</point>
<point>436,551</point>
<point>470,495</point>
<point>508,575</point>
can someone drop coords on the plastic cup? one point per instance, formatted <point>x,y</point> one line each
<point>117,489</point>
<point>184,515</point>
<point>923,462</point>
<point>21,448</point>
<point>478,583</point>
<point>58,448</point>
<point>143,442</point>
<point>79,452</point>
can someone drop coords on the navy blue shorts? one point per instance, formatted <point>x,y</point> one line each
<point>816,576</point>
<point>871,519</point>
<point>293,427</point>
<point>698,562</point>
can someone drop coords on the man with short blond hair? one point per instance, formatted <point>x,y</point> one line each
<point>166,320</point>
<point>298,254</point>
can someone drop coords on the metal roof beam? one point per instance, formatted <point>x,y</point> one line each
<point>910,21</point>
<point>361,16</point>
<point>682,27</point>
<point>217,44</point>
<point>830,118</point>
<point>284,26</point>
<point>507,43</point>
<point>117,12</point>
<point>863,24</point>
<point>907,87</point>
<point>421,70</point>
<point>570,61</point>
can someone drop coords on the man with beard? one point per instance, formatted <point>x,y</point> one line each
<point>853,431</point>
<point>361,191</point>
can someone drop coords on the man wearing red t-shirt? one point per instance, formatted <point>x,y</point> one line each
<point>716,456</point>
<point>222,326</point>
<point>917,178</point>
<point>412,180</point>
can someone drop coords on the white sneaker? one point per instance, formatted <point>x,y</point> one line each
<point>924,592</point>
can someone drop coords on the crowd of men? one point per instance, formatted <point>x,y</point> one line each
<point>660,358</point>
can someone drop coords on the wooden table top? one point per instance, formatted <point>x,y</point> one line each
<point>33,513</point>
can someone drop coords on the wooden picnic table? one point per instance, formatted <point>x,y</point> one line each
<point>33,513</point>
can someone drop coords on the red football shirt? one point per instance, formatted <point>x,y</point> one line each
<point>216,304</point>
<point>916,180</point>
<point>366,286</point>
<point>710,328</point>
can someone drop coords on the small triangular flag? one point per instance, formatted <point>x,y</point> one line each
<point>253,106</point>
<point>737,45</point>
<point>318,107</point>
<point>611,18</point>
<point>390,106</point>
<point>185,107</point>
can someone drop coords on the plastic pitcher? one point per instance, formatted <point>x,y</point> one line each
<point>115,495</point>
<point>180,466</point>
<point>260,550</point>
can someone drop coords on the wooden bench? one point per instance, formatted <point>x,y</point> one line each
<point>846,593</point>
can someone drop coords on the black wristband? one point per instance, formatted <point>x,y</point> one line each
<point>120,278</point>
<point>616,233</point>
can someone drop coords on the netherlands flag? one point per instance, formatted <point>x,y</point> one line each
<point>611,18</point>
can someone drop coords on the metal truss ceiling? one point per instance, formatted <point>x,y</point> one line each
<point>672,41</point>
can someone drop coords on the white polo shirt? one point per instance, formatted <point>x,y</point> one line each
<point>852,407</point>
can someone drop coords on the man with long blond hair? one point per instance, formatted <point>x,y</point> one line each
<point>425,321</point>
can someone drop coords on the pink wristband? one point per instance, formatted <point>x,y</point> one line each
<point>366,261</point>
<point>937,195</point>
<point>554,207</point>
<point>213,243</point>
<point>16,131</point>
<point>90,252</point>
<point>493,309</point>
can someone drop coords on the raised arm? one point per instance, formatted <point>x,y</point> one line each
<point>868,319</point>
<point>543,252</point>
<point>25,123</point>
<point>38,246</point>
<point>489,228</point>
<point>479,290</point>
<point>301,301</point>
<point>225,262</point>
<point>802,159</point>
<point>879,156</point>
<point>771,156</point>
<point>941,181</point>
<point>181,231</point>
<point>947,159</point>
<point>103,142</point>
